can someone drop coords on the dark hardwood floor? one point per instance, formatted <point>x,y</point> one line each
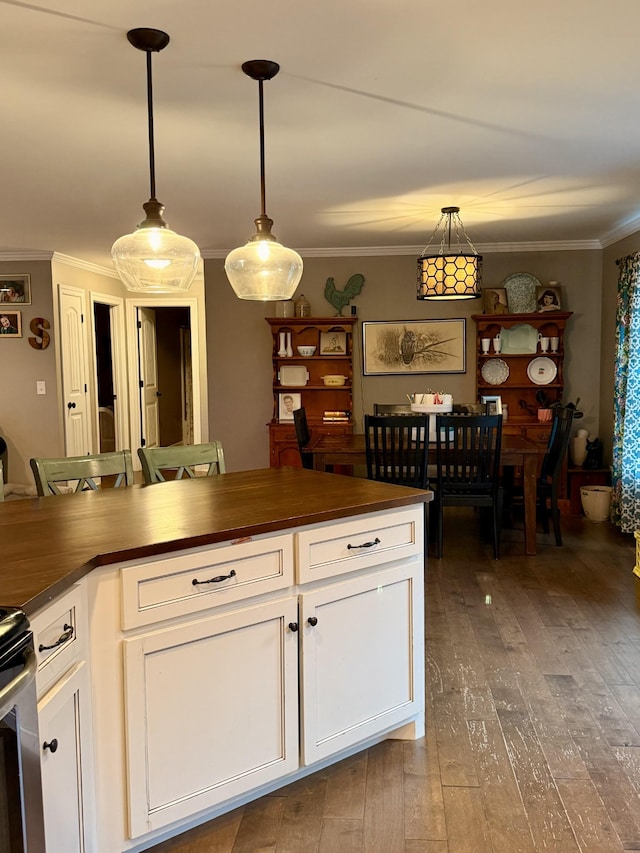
<point>533,717</point>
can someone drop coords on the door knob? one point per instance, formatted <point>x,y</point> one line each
<point>71,405</point>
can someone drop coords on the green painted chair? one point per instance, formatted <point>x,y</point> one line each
<point>88,471</point>
<point>160,464</point>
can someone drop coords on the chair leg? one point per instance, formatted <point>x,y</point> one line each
<point>439,529</point>
<point>497,523</point>
<point>555,518</point>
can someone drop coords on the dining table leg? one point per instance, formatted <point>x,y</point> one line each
<point>529,469</point>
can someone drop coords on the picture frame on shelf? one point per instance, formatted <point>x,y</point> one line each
<point>15,289</point>
<point>286,405</point>
<point>494,300</point>
<point>414,346</point>
<point>548,298</point>
<point>494,404</point>
<point>333,343</point>
<point>10,324</point>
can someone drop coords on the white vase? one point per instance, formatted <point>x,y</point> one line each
<point>289,347</point>
<point>282,352</point>
<point>578,450</point>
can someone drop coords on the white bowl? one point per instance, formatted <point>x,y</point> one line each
<point>306,352</point>
<point>334,379</point>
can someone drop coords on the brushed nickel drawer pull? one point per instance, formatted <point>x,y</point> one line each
<point>217,579</point>
<point>62,639</point>
<point>376,541</point>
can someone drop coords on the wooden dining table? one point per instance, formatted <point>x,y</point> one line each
<point>516,451</point>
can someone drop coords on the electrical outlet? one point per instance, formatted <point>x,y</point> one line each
<point>41,387</point>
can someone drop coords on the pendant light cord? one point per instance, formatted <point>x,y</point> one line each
<point>152,153</point>
<point>263,210</point>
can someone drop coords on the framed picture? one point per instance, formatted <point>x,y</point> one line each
<point>548,299</point>
<point>414,346</point>
<point>15,289</point>
<point>10,324</point>
<point>494,300</point>
<point>495,405</point>
<point>333,343</point>
<point>286,404</point>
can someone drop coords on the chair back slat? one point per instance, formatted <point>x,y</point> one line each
<point>303,435</point>
<point>397,448</point>
<point>468,452</point>
<point>81,473</point>
<point>558,443</point>
<point>179,462</point>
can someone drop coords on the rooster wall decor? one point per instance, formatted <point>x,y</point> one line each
<point>340,298</point>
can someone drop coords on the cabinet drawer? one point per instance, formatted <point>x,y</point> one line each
<point>538,434</point>
<point>193,581</point>
<point>362,542</point>
<point>59,639</point>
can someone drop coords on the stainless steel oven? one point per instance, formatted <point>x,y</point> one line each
<point>21,814</point>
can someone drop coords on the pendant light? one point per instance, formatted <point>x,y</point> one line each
<point>263,269</point>
<point>154,259</point>
<point>451,273</point>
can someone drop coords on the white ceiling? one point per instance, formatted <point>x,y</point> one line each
<point>384,111</point>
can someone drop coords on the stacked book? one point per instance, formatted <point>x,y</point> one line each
<point>336,417</point>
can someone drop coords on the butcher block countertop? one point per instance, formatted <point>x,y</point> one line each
<point>50,543</point>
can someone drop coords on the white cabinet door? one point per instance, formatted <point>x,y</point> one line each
<point>211,711</point>
<point>67,764</point>
<point>362,658</point>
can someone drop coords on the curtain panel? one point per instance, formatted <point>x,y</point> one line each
<point>625,504</point>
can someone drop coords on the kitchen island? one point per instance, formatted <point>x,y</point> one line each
<point>215,639</point>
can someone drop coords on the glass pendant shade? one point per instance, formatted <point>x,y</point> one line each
<point>263,269</point>
<point>153,258</point>
<point>449,274</point>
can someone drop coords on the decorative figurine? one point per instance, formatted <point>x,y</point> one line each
<point>341,298</point>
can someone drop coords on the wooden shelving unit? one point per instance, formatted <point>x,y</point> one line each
<point>316,397</point>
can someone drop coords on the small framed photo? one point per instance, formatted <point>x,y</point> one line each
<point>333,343</point>
<point>493,405</point>
<point>10,324</point>
<point>494,300</point>
<point>548,299</point>
<point>15,289</point>
<point>286,404</point>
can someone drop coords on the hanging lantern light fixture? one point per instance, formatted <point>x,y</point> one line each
<point>263,269</point>
<point>153,258</point>
<point>451,273</point>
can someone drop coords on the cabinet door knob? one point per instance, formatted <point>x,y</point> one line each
<point>52,745</point>
<point>293,627</point>
<point>313,621</point>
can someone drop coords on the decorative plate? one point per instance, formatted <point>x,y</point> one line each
<point>519,339</point>
<point>521,292</point>
<point>293,375</point>
<point>495,371</point>
<point>542,370</point>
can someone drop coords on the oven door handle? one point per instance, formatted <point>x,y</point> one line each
<point>10,691</point>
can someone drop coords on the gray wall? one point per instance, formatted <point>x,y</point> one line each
<point>28,421</point>
<point>239,340</point>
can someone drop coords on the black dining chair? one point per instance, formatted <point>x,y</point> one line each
<point>303,436</point>
<point>397,448</point>
<point>467,469</point>
<point>548,483</point>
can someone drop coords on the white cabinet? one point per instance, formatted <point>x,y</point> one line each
<point>362,658</point>
<point>65,722</point>
<point>211,711</point>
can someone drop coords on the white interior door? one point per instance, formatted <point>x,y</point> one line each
<point>149,391</point>
<point>73,349</point>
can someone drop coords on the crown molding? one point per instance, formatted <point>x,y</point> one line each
<point>87,266</point>
<point>17,256</point>
<point>624,230</point>
<point>379,251</point>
